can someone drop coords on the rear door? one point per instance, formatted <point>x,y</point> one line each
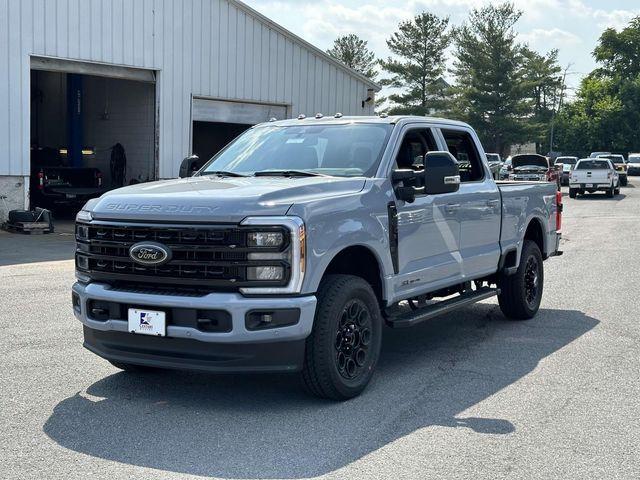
<point>477,203</point>
<point>428,228</point>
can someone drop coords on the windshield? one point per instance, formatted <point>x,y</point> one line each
<point>634,158</point>
<point>614,158</point>
<point>349,150</point>
<point>569,160</point>
<point>593,165</point>
<point>493,157</point>
<point>533,160</point>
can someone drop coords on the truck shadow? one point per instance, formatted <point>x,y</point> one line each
<point>265,427</point>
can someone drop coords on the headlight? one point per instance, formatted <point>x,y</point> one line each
<point>265,239</point>
<point>293,253</point>
<point>84,216</point>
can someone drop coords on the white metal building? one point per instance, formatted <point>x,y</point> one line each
<point>164,78</point>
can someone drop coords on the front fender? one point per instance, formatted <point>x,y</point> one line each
<point>334,224</point>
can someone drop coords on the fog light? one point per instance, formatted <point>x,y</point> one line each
<point>82,262</point>
<point>265,273</point>
<point>265,239</point>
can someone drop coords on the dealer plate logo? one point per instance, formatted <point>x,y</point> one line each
<point>150,253</point>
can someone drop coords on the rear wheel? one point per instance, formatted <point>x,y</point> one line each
<point>521,293</point>
<point>623,181</point>
<point>573,192</point>
<point>343,349</point>
<point>610,192</point>
<point>616,191</point>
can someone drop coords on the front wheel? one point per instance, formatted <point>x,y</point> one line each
<point>610,192</point>
<point>521,293</point>
<point>343,349</point>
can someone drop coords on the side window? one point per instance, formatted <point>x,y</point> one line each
<point>415,144</point>
<point>462,146</point>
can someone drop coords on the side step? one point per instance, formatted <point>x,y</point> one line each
<point>412,318</point>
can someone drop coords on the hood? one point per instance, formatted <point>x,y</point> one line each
<point>215,199</point>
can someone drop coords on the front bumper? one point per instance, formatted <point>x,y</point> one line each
<point>238,349</point>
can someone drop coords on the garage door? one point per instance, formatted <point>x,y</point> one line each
<point>218,111</point>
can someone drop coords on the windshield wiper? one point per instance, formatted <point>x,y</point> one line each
<point>288,173</point>
<point>222,173</point>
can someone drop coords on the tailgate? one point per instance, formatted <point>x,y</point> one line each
<point>590,176</point>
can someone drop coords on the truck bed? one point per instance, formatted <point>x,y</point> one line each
<point>522,201</point>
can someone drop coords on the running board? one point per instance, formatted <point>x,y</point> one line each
<point>418,316</point>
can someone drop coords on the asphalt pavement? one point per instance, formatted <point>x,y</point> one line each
<point>465,396</point>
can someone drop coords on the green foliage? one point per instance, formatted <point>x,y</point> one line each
<point>354,53</point>
<point>492,90</point>
<point>606,112</point>
<point>419,45</point>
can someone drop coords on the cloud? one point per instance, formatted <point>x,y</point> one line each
<point>544,39</point>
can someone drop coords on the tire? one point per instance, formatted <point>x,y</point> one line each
<point>514,299</point>
<point>131,368</point>
<point>573,192</point>
<point>333,367</point>
<point>617,191</point>
<point>610,192</point>
<point>624,181</point>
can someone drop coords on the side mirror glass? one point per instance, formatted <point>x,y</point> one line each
<point>442,174</point>
<point>189,166</point>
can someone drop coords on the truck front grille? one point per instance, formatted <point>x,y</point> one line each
<point>211,256</point>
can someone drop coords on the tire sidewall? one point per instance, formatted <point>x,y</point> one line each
<point>360,290</point>
<point>531,250</point>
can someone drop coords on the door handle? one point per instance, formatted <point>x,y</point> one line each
<point>452,207</point>
<point>493,203</point>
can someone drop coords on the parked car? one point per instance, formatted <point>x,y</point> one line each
<point>633,164</point>
<point>564,165</point>
<point>593,175</point>
<point>287,250</point>
<point>53,187</point>
<point>596,154</point>
<point>505,169</point>
<point>620,164</point>
<point>495,164</point>
<point>533,168</point>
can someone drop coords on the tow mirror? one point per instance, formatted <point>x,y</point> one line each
<point>189,166</point>
<point>442,174</point>
<point>407,183</point>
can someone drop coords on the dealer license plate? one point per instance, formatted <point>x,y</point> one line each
<point>147,322</point>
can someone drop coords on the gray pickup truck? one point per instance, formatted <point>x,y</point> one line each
<point>292,248</point>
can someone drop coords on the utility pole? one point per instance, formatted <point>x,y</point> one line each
<point>554,111</point>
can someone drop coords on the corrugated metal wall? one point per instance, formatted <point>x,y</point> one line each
<point>211,48</point>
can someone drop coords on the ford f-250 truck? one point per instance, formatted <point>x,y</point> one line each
<point>293,247</point>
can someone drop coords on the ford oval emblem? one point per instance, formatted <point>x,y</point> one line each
<point>150,253</point>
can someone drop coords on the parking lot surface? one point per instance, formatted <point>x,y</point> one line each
<point>466,396</point>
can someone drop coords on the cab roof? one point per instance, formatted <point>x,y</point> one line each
<point>344,120</point>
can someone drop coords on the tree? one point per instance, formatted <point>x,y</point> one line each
<point>618,51</point>
<point>606,111</point>
<point>492,93</point>
<point>419,45</point>
<point>354,53</point>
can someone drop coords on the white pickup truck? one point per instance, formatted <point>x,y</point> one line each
<point>592,175</point>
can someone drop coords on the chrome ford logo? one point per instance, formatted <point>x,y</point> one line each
<point>150,253</point>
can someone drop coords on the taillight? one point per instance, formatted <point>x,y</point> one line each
<point>40,180</point>
<point>609,175</point>
<point>559,208</point>
<point>99,178</point>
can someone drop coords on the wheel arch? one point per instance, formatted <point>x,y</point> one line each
<point>361,261</point>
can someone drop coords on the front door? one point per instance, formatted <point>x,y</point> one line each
<point>428,228</point>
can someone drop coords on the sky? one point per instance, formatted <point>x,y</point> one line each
<point>571,26</point>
